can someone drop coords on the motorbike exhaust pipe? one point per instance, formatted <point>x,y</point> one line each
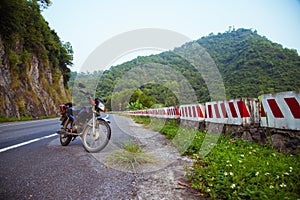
<point>62,132</point>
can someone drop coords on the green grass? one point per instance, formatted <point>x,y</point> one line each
<point>235,168</point>
<point>24,118</point>
<point>142,120</point>
<point>14,119</point>
<point>131,157</point>
<point>238,169</point>
<point>167,127</point>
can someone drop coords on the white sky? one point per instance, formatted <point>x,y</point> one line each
<point>86,24</point>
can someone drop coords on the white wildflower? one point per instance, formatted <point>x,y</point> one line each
<point>282,185</point>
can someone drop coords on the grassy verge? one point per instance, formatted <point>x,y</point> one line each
<point>238,169</point>
<point>24,118</point>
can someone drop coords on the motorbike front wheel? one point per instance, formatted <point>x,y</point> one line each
<point>97,140</point>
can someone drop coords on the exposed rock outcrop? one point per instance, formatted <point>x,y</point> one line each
<point>29,86</point>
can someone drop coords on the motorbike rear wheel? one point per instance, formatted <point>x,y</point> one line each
<point>94,142</point>
<point>66,139</point>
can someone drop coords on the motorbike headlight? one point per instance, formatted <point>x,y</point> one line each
<point>101,106</point>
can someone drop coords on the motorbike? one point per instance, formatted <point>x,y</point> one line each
<point>86,122</point>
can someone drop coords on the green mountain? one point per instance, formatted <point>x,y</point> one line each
<point>252,65</point>
<point>33,61</point>
<point>249,65</point>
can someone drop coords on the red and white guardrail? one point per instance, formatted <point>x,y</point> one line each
<point>237,112</point>
<point>167,112</point>
<point>281,110</point>
<point>193,112</point>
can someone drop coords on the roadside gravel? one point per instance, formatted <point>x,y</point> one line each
<point>154,180</point>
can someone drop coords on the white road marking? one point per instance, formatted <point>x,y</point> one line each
<point>27,142</point>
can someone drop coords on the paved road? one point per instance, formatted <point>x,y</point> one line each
<point>43,169</point>
<point>19,132</point>
<point>46,170</point>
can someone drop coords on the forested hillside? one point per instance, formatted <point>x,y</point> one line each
<point>249,64</point>
<point>252,65</point>
<point>33,61</point>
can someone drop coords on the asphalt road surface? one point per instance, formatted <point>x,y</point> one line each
<point>44,169</point>
<point>33,165</point>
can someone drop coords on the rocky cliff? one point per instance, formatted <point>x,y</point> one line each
<point>34,62</point>
<point>29,85</point>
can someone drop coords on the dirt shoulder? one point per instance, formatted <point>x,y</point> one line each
<point>157,179</point>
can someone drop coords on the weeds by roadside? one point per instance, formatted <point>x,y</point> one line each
<point>238,169</point>
<point>24,118</point>
<point>131,157</point>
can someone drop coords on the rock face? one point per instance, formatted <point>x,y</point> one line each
<point>29,86</point>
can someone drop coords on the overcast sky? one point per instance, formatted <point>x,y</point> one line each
<point>86,24</point>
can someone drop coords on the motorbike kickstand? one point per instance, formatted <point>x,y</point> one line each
<point>74,138</point>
